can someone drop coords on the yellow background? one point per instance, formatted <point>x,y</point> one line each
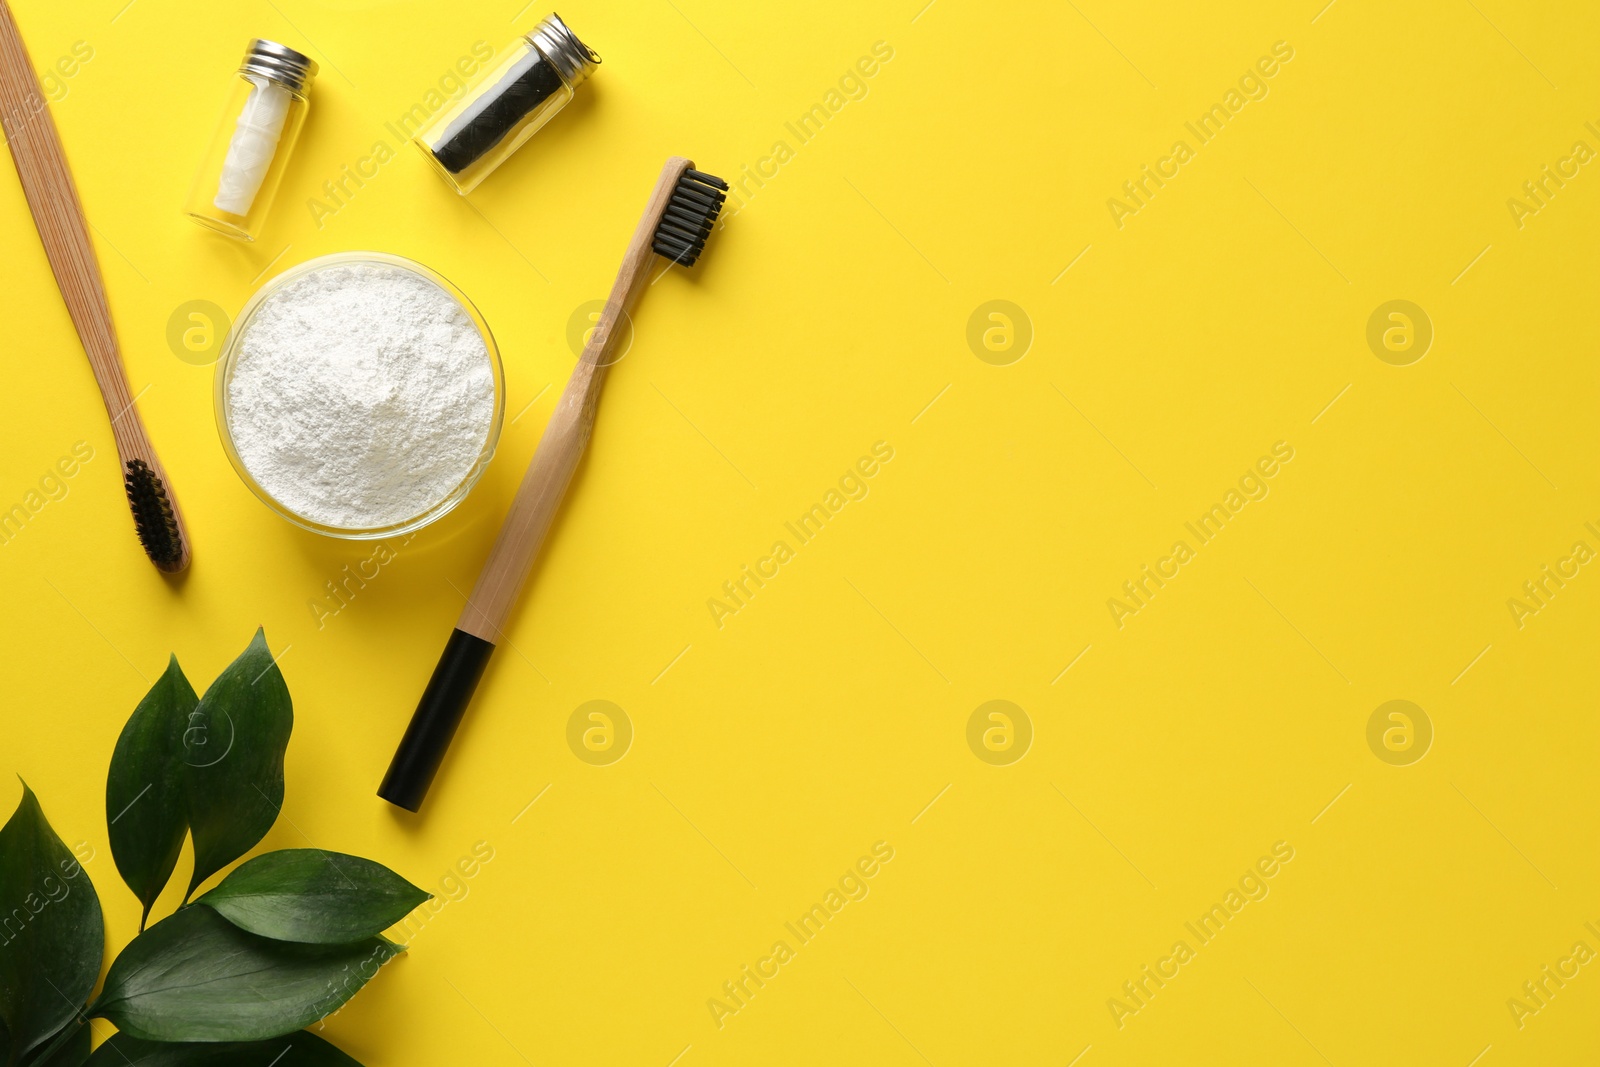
<point>769,754</point>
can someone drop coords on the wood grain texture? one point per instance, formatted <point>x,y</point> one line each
<point>566,436</point>
<point>58,213</point>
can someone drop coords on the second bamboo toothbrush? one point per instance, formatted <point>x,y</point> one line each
<point>682,209</point>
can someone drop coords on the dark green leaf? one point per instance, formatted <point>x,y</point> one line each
<point>196,977</point>
<point>52,937</point>
<point>72,1052</point>
<point>306,894</point>
<point>299,1049</point>
<point>145,808</point>
<point>233,759</point>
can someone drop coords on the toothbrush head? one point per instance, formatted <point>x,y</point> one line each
<point>153,517</point>
<point>691,212</point>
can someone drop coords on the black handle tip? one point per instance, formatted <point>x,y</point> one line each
<point>434,723</point>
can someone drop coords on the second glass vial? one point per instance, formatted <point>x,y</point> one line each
<point>525,86</point>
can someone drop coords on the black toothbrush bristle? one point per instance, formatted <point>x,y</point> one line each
<point>153,517</point>
<point>691,212</point>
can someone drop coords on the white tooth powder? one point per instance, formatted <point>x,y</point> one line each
<point>361,395</point>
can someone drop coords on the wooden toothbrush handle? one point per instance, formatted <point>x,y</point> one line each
<point>565,437</point>
<point>58,213</point>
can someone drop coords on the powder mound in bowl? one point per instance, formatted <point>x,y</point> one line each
<point>361,395</point>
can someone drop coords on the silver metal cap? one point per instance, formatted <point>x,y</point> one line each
<point>280,63</point>
<point>570,56</point>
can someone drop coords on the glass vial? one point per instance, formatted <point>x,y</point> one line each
<point>522,89</point>
<point>233,191</point>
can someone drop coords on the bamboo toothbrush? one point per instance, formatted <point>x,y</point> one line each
<point>58,214</point>
<point>676,223</point>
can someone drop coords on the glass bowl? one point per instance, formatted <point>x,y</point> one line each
<point>235,343</point>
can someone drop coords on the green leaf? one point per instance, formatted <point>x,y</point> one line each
<point>52,937</point>
<point>146,812</point>
<point>194,976</point>
<point>233,759</point>
<point>299,1049</point>
<point>306,894</point>
<point>73,1051</point>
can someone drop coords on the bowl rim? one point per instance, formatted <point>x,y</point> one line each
<point>234,343</point>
